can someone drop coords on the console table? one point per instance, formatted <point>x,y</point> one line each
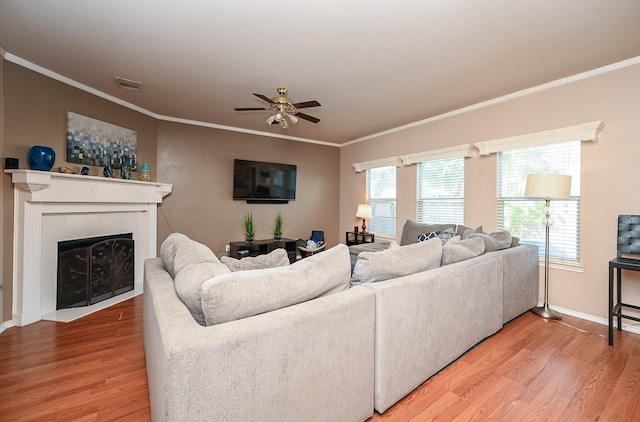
<point>261,247</point>
<point>353,238</point>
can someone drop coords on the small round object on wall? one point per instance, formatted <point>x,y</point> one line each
<point>41,157</point>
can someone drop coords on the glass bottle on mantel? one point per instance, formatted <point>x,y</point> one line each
<point>145,172</point>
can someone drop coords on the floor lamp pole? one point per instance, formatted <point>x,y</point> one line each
<point>544,310</point>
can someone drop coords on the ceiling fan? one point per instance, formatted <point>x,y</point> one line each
<point>284,108</point>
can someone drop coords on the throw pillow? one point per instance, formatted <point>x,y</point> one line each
<point>243,294</point>
<point>494,241</point>
<point>464,249</point>
<point>444,236</point>
<point>276,258</point>
<point>397,262</point>
<point>413,229</point>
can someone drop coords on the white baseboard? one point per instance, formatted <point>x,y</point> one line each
<point>604,321</point>
<point>5,325</point>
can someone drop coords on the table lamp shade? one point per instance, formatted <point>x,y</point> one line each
<point>364,211</point>
<point>548,186</point>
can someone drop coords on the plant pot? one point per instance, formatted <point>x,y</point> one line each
<point>277,238</point>
<point>249,240</point>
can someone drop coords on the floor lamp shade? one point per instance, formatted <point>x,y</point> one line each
<point>547,186</point>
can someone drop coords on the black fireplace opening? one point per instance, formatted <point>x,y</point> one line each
<point>94,269</point>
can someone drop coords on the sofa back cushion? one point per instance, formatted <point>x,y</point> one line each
<point>276,258</point>
<point>413,229</point>
<point>397,262</point>
<point>243,294</point>
<point>168,250</point>
<point>453,252</point>
<point>194,263</point>
<point>494,241</point>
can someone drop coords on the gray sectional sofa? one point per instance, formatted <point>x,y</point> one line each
<point>318,349</point>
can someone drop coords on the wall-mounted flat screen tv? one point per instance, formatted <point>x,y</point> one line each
<point>256,181</point>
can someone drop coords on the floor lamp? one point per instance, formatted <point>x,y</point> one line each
<point>547,186</point>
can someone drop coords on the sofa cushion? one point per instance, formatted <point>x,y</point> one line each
<point>276,258</point>
<point>453,252</point>
<point>413,229</point>
<point>188,285</point>
<point>465,231</point>
<point>397,262</point>
<point>191,252</point>
<point>494,241</point>
<point>168,250</point>
<point>243,294</point>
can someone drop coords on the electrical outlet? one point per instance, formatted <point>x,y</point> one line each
<point>227,248</point>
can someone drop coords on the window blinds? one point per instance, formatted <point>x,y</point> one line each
<point>522,216</point>
<point>381,195</point>
<point>441,191</point>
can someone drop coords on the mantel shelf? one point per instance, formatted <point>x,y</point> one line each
<point>45,186</point>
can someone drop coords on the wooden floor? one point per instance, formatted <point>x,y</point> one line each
<point>93,369</point>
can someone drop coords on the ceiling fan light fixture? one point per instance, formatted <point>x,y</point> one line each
<point>270,119</point>
<point>293,119</point>
<point>283,123</point>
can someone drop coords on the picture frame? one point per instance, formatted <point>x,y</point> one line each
<point>97,143</point>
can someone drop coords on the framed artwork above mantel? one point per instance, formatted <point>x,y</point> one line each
<point>97,143</point>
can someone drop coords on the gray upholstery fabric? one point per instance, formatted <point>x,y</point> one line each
<point>246,293</point>
<point>426,320</point>
<point>521,278</point>
<point>191,252</point>
<point>494,241</point>
<point>355,250</point>
<point>276,258</point>
<point>461,250</point>
<point>168,250</point>
<point>188,284</point>
<point>464,231</point>
<point>396,262</point>
<point>412,229</point>
<point>308,362</point>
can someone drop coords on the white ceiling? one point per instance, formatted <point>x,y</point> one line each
<point>373,65</point>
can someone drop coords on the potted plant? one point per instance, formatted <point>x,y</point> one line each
<point>277,230</point>
<point>248,227</point>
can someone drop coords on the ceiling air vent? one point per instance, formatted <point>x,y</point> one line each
<point>128,84</point>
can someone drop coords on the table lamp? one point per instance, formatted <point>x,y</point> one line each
<point>364,212</point>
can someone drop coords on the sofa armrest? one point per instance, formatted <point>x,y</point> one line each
<point>303,362</point>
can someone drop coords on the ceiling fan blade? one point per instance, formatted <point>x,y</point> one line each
<point>265,98</point>
<point>249,108</point>
<point>307,117</point>
<point>307,104</point>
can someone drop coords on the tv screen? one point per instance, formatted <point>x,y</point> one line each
<point>256,181</point>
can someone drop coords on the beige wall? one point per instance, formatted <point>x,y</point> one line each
<point>199,163</point>
<point>5,299</point>
<point>610,171</point>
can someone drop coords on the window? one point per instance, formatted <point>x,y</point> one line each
<point>522,216</point>
<point>441,191</point>
<point>381,194</point>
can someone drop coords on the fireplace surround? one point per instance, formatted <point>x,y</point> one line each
<point>50,207</point>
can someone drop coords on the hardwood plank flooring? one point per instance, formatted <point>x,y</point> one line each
<point>93,369</point>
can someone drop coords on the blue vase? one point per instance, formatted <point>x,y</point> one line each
<point>41,157</point>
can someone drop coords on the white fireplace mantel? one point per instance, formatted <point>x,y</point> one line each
<point>50,207</point>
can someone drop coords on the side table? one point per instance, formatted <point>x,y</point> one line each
<point>353,238</point>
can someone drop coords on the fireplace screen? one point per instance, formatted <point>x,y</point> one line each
<point>94,269</point>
